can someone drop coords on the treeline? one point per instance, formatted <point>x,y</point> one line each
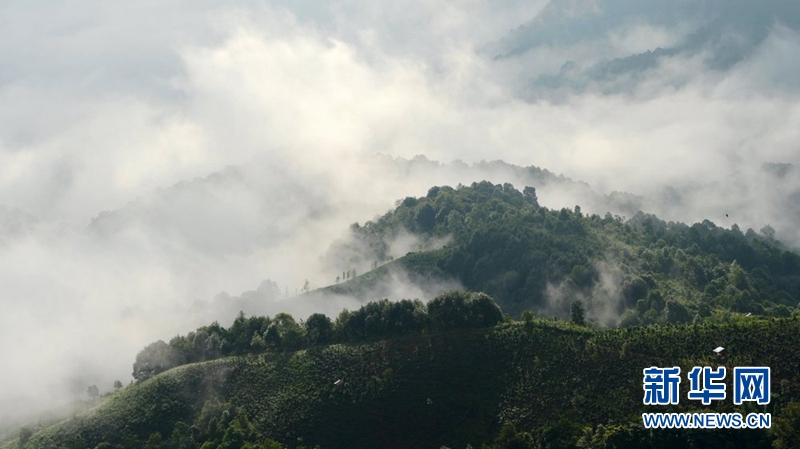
<point>379,319</point>
<point>529,257</point>
<point>538,383</point>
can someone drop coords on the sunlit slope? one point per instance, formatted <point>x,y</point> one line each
<point>427,390</point>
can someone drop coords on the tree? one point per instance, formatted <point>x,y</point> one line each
<point>786,428</point>
<point>426,218</point>
<point>213,347</point>
<point>284,332</point>
<point>156,441</point>
<point>257,342</point>
<point>181,437</point>
<point>117,385</point>
<point>25,435</point>
<point>768,232</point>
<point>509,438</point>
<point>577,313</point>
<point>239,431</point>
<point>456,309</point>
<point>530,194</point>
<point>272,336</point>
<point>156,358</point>
<point>527,316</point>
<point>93,392</point>
<point>634,289</point>
<point>676,312</point>
<point>319,329</point>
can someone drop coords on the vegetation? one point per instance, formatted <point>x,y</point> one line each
<point>533,383</point>
<point>453,310</point>
<point>457,372</point>
<point>635,272</point>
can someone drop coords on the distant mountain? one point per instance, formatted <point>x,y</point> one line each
<point>456,371</point>
<point>15,222</point>
<point>243,209</point>
<point>226,212</point>
<point>721,33</point>
<point>239,206</point>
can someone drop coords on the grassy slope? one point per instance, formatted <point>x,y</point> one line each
<point>419,268</point>
<point>449,388</point>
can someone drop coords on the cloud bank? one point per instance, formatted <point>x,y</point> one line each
<point>154,154</point>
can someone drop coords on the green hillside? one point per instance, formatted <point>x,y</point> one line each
<point>457,371</point>
<point>535,383</point>
<point>625,272</point>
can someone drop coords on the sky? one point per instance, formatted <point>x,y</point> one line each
<point>155,154</point>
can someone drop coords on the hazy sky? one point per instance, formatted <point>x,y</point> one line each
<point>137,108</point>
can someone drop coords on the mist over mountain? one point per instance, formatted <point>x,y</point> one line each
<point>14,222</point>
<point>160,160</point>
<point>618,47</point>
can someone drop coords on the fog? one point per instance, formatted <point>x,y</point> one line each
<point>156,154</point>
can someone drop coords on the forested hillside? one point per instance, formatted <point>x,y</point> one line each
<point>536,383</point>
<point>458,370</point>
<point>626,272</point>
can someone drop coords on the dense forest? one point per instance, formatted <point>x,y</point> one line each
<point>380,319</point>
<point>625,272</point>
<point>550,356</point>
<point>533,383</point>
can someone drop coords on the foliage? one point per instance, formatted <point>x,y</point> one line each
<point>529,257</point>
<point>379,319</point>
<point>156,358</point>
<point>455,371</point>
<point>319,329</point>
<point>577,313</point>
<point>456,310</point>
<point>786,429</point>
<point>534,383</point>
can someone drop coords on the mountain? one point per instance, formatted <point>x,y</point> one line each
<point>458,371</point>
<point>643,270</point>
<point>640,39</point>
<point>14,222</point>
<point>535,383</point>
<point>243,209</point>
<point>258,206</point>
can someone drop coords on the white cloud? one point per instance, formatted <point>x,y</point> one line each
<point>106,108</point>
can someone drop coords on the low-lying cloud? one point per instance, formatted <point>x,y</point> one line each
<point>154,154</point>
